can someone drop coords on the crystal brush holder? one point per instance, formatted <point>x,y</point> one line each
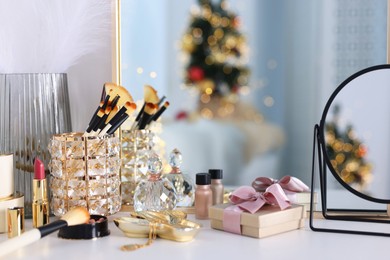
<point>136,146</point>
<point>85,172</point>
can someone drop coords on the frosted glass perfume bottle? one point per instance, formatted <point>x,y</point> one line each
<point>156,193</point>
<point>183,183</point>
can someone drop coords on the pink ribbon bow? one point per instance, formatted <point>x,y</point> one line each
<point>288,183</point>
<point>246,198</point>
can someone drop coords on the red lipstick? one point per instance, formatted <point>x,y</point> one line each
<point>40,205</point>
<point>39,169</point>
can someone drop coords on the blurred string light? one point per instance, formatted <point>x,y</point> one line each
<point>140,70</point>
<point>153,74</point>
<point>269,101</point>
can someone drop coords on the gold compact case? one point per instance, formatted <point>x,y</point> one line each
<point>171,225</point>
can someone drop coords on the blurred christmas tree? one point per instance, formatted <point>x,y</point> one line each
<point>347,153</point>
<point>216,49</point>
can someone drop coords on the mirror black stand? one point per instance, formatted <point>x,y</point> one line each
<point>362,215</point>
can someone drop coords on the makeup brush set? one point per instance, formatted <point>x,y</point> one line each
<point>151,109</point>
<point>117,105</point>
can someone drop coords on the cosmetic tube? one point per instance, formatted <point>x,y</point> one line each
<point>203,196</point>
<point>40,204</point>
<point>216,185</point>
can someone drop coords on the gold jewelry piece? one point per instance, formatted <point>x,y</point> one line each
<point>152,236</point>
<point>169,224</point>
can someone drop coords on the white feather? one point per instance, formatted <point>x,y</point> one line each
<point>46,36</point>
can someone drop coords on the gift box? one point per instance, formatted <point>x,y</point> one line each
<point>296,191</point>
<point>269,220</point>
<point>303,198</point>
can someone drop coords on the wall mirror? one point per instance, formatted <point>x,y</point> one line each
<point>299,51</point>
<point>352,139</point>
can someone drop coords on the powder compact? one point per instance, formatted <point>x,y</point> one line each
<point>97,227</point>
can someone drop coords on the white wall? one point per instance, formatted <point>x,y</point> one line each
<point>85,82</point>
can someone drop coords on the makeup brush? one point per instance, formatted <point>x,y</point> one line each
<point>112,114</point>
<point>73,217</point>
<point>120,91</point>
<point>101,123</point>
<point>106,100</point>
<point>127,107</point>
<point>139,114</point>
<point>150,109</point>
<point>150,96</point>
<point>95,120</point>
<point>114,102</point>
<point>118,124</point>
<point>102,96</point>
<point>117,118</point>
<point>159,112</point>
<point>95,114</point>
<point>160,101</point>
<point>102,102</point>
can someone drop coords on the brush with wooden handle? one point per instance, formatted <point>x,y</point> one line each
<point>73,217</point>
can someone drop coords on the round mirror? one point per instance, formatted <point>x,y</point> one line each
<point>355,133</point>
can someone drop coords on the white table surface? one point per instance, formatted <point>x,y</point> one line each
<point>213,244</point>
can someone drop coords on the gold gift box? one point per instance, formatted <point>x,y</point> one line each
<point>268,221</point>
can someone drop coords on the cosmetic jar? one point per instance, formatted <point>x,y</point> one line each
<point>8,198</point>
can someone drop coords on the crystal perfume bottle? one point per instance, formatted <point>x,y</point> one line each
<point>183,183</point>
<point>156,193</point>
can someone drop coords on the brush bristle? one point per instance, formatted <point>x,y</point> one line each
<point>107,110</point>
<point>150,95</point>
<point>150,108</point>
<point>76,216</point>
<point>131,108</point>
<point>112,114</point>
<point>120,91</point>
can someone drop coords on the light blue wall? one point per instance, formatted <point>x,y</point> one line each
<point>144,43</point>
<point>298,36</point>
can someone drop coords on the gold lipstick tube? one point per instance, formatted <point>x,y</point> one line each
<point>40,205</point>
